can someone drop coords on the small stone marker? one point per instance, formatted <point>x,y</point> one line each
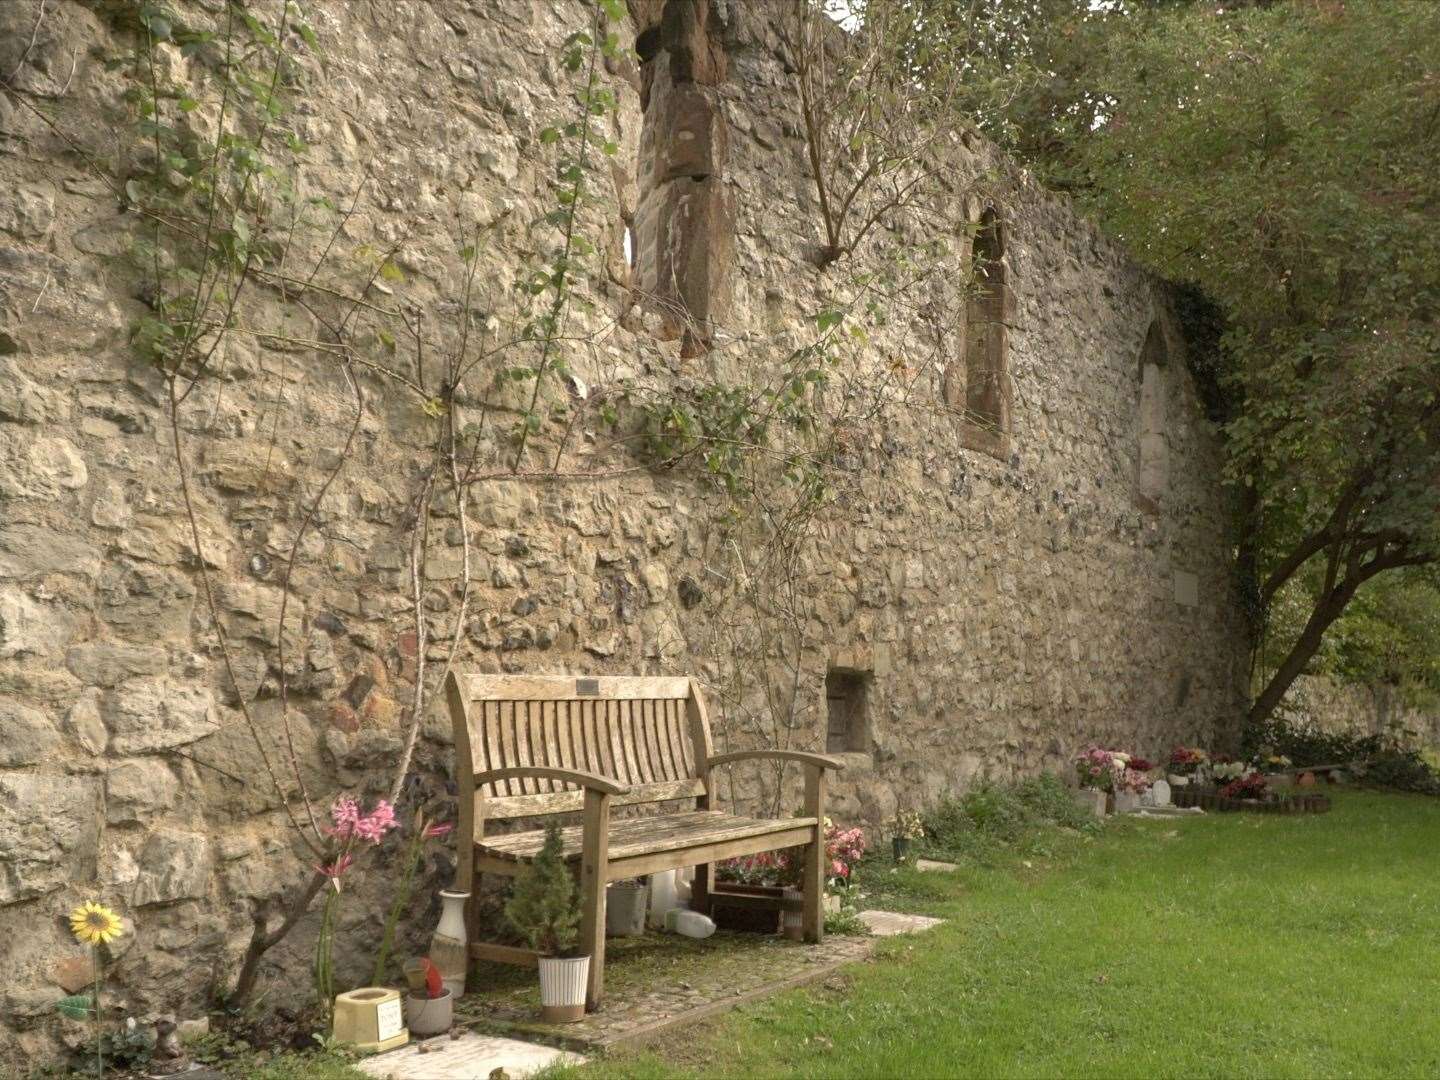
<point>1158,795</point>
<point>890,923</point>
<point>465,1058</point>
<point>1093,800</point>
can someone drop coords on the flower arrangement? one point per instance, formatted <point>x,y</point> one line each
<point>908,825</point>
<point>1112,770</point>
<point>1133,780</point>
<point>93,924</point>
<point>843,850</point>
<point>1268,761</point>
<point>766,868</point>
<point>1250,786</point>
<point>1187,760</point>
<point>1224,770</point>
<point>1099,768</point>
<point>348,827</point>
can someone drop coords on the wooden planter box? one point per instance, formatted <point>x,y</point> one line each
<point>751,909</point>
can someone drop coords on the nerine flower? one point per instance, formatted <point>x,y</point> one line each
<point>350,824</point>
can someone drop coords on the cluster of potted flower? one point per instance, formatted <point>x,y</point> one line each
<point>908,828</point>
<point>1250,786</point>
<point>1122,776</point>
<point>1186,763</point>
<point>776,876</point>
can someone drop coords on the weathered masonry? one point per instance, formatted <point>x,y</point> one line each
<point>1026,550</point>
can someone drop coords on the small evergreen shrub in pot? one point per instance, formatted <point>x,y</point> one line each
<point>545,911</point>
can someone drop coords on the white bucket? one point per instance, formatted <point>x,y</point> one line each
<point>562,987</point>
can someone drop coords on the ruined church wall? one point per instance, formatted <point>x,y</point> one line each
<point>1002,611</point>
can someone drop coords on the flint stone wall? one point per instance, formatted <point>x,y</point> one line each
<point>1002,611</point>
<point>1347,708</point>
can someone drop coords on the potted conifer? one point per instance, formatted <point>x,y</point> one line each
<point>544,909</point>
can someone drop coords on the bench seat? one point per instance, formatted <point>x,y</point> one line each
<point>640,836</point>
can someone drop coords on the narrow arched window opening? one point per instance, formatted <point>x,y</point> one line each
<point>1152,471</point>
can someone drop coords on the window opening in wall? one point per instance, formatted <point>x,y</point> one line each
<point>985,339</point>
<point>845,709</point>
<point>1152,472</point>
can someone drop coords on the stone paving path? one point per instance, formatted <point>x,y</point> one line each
<point>673,984</point>
<point>470,1057</point>
<point>684,994</point>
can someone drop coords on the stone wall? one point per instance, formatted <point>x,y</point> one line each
<point>996,603</point>
<point>1347,708</point>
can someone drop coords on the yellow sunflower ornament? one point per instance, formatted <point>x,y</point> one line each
<point>95,924</point>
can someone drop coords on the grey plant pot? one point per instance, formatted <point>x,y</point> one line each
<point>429,1016</point>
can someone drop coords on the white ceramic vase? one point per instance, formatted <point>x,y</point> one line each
<point>447,947</point>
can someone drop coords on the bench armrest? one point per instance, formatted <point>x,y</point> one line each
<point>820,761</point>
<point>569,776</point>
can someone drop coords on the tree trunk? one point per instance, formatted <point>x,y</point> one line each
<point>1326,611</point>
<point>262,940</point>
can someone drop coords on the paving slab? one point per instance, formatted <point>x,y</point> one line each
<point>890,923</point>
<point>655,986</point>
<point>470,1057</point>
<point>934,866</point>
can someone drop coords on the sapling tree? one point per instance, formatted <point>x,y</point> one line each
<point>543,906</point>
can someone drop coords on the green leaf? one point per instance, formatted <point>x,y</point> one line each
<point>76,1006</point>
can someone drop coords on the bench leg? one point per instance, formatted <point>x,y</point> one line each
<point>700,889</point>
<point>813,912</point>
<point>594,859</point>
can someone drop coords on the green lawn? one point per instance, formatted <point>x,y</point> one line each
<point>1228,946</point>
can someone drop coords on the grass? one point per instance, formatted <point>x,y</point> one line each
<point>1227,946</point>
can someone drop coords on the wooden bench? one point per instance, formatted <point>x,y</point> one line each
<point>528,746</point>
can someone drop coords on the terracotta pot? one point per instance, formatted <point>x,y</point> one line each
<point>562,988</point>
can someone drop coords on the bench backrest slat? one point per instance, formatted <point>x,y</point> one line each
<point>638,730</point>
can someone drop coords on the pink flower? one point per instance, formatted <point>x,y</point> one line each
<point>350,824</point>
<point>338,867</point>
<point>439,829</point>
<point>374,826</point>
<point>345,813</point>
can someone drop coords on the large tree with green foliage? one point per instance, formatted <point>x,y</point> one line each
<point>1285,160</point>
